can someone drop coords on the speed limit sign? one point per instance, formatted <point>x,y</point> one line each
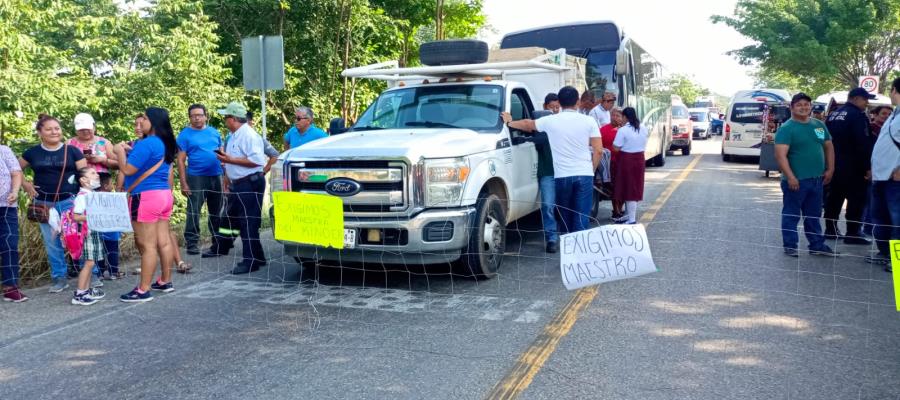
<point>870,83</point>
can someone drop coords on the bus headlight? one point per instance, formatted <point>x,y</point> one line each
<point>444,181</point>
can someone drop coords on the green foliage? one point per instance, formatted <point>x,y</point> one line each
<point>818,44</point>
<point>684,87</point>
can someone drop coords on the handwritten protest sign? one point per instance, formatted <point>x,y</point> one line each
<point>108,212</point>
<point>895,266</point>
<point>316,219</point>
<point>605,254</point>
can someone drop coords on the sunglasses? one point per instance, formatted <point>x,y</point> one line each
<point>302,118</point>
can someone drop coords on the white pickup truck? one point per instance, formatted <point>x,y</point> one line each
<point>429,173</point>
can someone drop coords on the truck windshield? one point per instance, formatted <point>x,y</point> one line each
<point>475,107</point>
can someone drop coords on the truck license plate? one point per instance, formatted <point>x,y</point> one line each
<point>349,238</point>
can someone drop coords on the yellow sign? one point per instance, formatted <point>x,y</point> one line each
<point>895,266</point>
<point>316,219</point>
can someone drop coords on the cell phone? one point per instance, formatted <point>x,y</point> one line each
<point>219,152</point>
<point>88,152</point>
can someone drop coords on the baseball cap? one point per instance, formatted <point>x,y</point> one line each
<point>800,96</point>
<point>234,109</point>
<point>860,92</point>
<point>84,121</point>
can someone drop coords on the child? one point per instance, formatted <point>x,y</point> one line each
<point>93,250</point>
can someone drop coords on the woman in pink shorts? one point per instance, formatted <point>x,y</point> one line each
<point>147,179</point>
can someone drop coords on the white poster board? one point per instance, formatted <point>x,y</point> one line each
<point>605,254</point>
<point>108,212</point>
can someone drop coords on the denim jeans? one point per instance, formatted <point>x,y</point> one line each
<point>548,208</point>
<point>53,244</point>
<point>805,202</point>
<point>573,197</point>
<point>245,213</point>
<point>9,246</point>
<point>203,189</point>
<point>110,263</point>
<point>885,214</point>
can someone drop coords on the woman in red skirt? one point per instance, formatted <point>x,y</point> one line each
<point>630,142</point>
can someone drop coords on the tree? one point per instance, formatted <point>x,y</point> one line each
<point>684,87</point>
<point>827,42</point>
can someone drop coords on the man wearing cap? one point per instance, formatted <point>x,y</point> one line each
<point>806,158</point>
<point>243,159</point>
<point>853,142</point>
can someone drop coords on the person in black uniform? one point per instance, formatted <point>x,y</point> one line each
<point>853,142</point>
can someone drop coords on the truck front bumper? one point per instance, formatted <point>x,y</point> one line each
<point>425,239</point>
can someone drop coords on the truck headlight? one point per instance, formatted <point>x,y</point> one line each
<point>444,181</point>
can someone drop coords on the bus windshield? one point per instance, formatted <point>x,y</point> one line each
<point>475,107</point>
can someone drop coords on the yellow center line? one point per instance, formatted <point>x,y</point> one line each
<point>529,363</point>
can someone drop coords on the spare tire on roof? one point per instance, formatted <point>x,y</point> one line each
<point>453,52</point>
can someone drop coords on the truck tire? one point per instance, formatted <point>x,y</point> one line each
<point>453,52</point>
<point>686,151</point>
<point>483,254</point>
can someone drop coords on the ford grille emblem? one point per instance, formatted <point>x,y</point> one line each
<point>342,187</point>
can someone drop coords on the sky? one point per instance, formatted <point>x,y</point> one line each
<point>679,34</point>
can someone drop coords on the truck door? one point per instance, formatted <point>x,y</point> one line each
<point>523,160</point>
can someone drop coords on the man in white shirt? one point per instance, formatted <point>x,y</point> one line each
<point>600,113</point>
<point>886,183</point>
<point>244,159</point>
<point>575,145</point>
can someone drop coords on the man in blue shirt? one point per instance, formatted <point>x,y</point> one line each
<point>201,180</point>
<point>304,130</point>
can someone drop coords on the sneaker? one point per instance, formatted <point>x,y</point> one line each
<point>192,251</point>
<point>858,240</point>
<point>163,287</point>
<point>14,295</point>
<point>95,281</point>
<point>878,259</point>
<point>824,251</point>
<point>83,299</point>
<point>59,284</point>
<point>95,293</point>
<point>134,297</point>
<point>791,252</point>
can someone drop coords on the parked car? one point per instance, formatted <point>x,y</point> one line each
<point>744,124</point>
<point>682,128</point>
<point>700,117</point>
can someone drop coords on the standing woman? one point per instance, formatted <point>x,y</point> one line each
<point>10,182</point>
<point>146,170</point>
<point>630,142</point>
<point>53,162</point>
<point>98,152</point>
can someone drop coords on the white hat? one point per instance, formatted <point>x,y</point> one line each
<point>84,121</point>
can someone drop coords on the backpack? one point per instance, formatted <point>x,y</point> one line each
<point>73,234</point>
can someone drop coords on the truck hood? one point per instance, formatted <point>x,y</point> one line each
<point>411,144</point>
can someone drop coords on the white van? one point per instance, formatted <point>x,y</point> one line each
<point>743,121</point>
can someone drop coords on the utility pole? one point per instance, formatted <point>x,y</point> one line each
<point>439,21</point>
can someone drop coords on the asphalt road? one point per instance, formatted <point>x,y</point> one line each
<point>726,317</point>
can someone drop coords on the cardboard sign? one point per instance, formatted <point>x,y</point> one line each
<point>108,212</point>
<point>316,219</point>
<point>870,83</point>
<point>895,267</point>
<point>605,254</point>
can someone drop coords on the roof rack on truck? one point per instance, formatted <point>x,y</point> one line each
<point>389,70</point>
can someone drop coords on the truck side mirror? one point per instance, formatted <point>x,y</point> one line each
<point>621,62</point>
<point>337,126</point>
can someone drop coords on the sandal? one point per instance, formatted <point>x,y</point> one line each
<point>183,267</point>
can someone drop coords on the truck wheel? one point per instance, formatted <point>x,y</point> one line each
<point>453,52</point>
<point>686,151</point>
<point>487,239</point>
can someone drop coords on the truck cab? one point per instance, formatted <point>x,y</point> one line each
<point>428,174</point>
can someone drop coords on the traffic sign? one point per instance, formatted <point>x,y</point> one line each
<point>870,83</point>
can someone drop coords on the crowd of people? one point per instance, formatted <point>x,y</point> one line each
<point>579,137</point>
<point>852,156</point>
<point>225,175</point>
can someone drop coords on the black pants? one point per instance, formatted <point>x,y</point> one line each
<point>206,189</point>
<point>244,213</point>
<point>853,190</point>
